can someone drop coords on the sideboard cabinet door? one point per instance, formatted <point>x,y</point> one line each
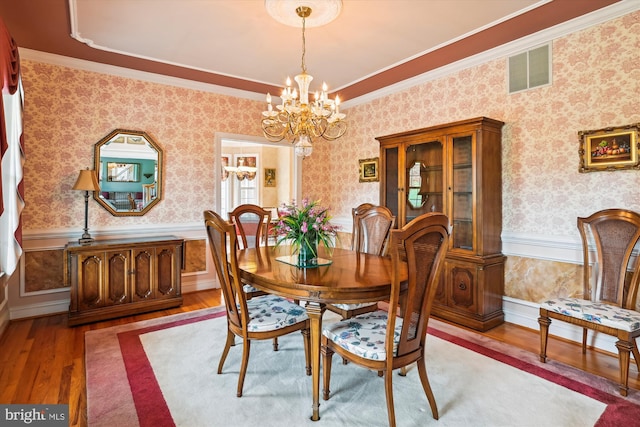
<point>113,278</point>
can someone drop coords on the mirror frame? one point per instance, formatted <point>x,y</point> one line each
<point>160,167</point>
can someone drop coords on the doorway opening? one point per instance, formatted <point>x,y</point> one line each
<point>254,170</point>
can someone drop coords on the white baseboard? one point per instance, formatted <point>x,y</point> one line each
<point>39,309</point>
<point>202,285</point>
<point>58,306</point>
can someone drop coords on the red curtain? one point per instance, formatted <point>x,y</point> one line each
<point>9,75</point>
<point>10,79</point>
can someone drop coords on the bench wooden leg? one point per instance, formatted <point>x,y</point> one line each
<point>544,322</point>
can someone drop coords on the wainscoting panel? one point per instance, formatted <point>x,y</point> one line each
<point>43,271</point>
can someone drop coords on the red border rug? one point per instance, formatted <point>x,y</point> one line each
<point>152,410</point>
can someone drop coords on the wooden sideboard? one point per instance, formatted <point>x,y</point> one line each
<point>120,277</point>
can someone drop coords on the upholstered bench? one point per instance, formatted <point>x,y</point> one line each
<point>604,314</point>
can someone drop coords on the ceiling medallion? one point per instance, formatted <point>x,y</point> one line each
<point>284,11</point>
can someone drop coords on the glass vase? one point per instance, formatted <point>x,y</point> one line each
<point>308,254</point>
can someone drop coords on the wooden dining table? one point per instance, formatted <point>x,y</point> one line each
<point>346,277</point>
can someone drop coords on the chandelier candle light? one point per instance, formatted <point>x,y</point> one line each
<point>296,118</point>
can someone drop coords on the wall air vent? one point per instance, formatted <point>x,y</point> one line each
<point>530,69</point>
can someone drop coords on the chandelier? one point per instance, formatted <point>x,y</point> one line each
<point>243,171</point>
<point>297,119</point>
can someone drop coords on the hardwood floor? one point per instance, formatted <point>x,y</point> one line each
<point>42,359</point>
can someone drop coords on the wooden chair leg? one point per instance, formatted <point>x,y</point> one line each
<point>388,391</point>
<point>422,372</point>
<point>327,355</point>
<point>624,348</point>
<point>544,322</point>
<point>584,340</point>
<point>275,344</point>
<point>227,345</point>
<point>246,348</point>
<point>306,335</point>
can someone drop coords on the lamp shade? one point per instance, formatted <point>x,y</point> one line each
<point>87,181</point>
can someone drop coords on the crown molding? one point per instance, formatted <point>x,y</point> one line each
<point>605,14</point>
<point>96,67</point>
<point>542,37</point>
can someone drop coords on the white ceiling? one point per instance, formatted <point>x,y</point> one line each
<point>239,39</point>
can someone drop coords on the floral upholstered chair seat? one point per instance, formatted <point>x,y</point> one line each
<point>604,314</point>
<point>354,306</point>
<point>270,312</point>
<point>364,335</point>
<point>250,289</point>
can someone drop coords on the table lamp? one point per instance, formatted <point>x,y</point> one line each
<point>87,181</point>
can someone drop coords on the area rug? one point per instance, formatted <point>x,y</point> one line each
<point>162,372</point>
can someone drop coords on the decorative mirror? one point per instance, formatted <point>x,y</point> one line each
<point>129,167</point>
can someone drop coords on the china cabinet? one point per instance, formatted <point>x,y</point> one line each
<point>112,278</point>
<point>454,169</point>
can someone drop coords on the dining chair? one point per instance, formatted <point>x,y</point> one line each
<point>610,286</point>
<point>259,318</point>
<point>383,342</point>
<point>252,223</point>
<point>252,226</point>
<point>371,227</point>
<point>355,214</point>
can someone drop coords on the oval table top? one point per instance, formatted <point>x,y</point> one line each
<point>350,277</point>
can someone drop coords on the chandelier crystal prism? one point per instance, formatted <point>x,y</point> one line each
<point>297,119</point>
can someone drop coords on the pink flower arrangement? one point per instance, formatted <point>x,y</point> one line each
<point>307,225</point>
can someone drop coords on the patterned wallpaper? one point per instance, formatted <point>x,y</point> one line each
<point>596,75</point>
<point>68,110</point>
<point>595,84</point>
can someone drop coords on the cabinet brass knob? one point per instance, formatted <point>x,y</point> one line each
<point>462,286</point>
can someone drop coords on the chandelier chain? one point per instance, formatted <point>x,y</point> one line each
<point>304,48</point>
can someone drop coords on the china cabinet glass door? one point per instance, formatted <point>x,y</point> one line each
<point>423,179</point>
<point>462,185</point>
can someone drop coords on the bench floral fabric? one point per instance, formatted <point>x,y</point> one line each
<point>604,314</point>
<point>364,335</point>
<point>270,312</point>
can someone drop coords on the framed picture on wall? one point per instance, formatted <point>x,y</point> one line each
<point>269,177</point>
<point>369,170</point>
<point>609,149</point>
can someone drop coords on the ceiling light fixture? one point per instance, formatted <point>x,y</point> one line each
<point>296,118</point>
<point>242,171</point>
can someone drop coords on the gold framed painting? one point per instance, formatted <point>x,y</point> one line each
<point>369,170</point>
<point>609,149</point>
<point>269,177</point>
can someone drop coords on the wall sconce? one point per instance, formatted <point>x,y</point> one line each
<point>87,181</point>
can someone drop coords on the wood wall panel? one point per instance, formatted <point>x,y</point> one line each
<point>43,270</point>
<point>195,256</point>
